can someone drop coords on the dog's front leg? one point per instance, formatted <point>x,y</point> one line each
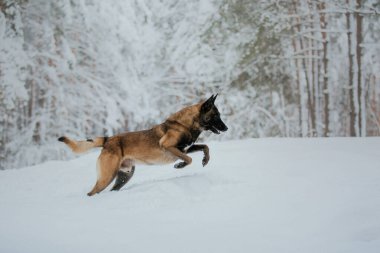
<point>186,159</point>
<point>169,142</point>
<point>200,147</point>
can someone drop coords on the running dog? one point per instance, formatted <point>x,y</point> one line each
<point>162,144</point>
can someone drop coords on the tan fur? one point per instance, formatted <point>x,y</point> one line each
<point>83,146</point>
<point>158,145</point>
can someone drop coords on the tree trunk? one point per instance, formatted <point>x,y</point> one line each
<point>325,62</point>
<point>302,77</point>
<point>359,40</point>
<point>350,74</point>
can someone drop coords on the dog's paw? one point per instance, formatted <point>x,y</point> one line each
<point>205,160</point>
<point>180,165</point>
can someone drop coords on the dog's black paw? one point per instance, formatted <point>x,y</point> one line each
<point>180,165</point>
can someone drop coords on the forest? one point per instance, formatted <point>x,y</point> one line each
<point>282,68</point>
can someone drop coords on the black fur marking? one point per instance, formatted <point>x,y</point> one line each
<point>199,147</point>
<point>90,140</point>
<point>122,178</point>
<point>195,148</point>
<point>62,138</point>
<point>180,165</point>
<point>188,139</point>
<point>183,143</point>
<point>195,134</point>
<point>105,139</point>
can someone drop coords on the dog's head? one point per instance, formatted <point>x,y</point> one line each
<point>210,117</point>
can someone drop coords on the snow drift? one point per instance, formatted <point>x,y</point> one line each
<point>266,195</point>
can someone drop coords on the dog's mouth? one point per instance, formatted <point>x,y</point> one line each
<point>216,130</point>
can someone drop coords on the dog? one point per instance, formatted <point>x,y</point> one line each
<point>164,143</point>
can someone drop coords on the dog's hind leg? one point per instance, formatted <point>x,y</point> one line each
<point>107,166</point>
<point>125,173</point>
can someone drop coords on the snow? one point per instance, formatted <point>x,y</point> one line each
<point>256,195</point>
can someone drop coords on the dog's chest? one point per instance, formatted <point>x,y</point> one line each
<point>188,139</point>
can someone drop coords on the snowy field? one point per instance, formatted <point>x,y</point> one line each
<point>260,195</point>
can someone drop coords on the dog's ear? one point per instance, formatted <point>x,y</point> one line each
<point>208,104</point>
<point>213,100</point>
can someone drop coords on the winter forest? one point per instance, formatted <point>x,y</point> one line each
<point>85,68</point>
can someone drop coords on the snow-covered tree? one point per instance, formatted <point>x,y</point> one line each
<point>86,68</point>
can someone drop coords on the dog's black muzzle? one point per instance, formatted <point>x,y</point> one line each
<point>218,127</point>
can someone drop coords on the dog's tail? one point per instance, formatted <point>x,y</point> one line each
<point>83,146</point>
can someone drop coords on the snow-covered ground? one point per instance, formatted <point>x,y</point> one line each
<point>262,195</point>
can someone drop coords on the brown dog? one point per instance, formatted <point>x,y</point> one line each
<point>164,143</point>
